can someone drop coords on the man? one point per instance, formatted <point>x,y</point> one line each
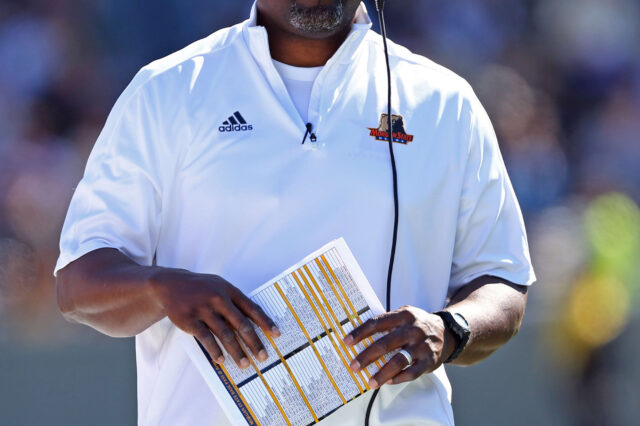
<point>200,174</point>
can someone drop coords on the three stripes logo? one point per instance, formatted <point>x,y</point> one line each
<point>235,123</point>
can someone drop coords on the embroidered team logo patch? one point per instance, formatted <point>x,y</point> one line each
<point>399,133</point>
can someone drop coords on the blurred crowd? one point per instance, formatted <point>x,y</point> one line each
<point>559,78</point>
<point>62,65</point>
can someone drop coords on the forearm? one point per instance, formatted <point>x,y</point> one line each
<point>106,290</point>
<point>494,309</point>
<point>109,292</point>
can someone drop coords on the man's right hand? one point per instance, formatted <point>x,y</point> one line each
<point>106,290</point>
<point>206,306</point>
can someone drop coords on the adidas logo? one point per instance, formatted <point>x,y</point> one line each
<point>235,123</point>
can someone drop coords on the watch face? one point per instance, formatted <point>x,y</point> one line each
<point>462,324</point>
<point>461,320</point>
<point>460,328</point>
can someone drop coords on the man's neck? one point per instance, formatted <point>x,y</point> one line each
<point>299,51</point>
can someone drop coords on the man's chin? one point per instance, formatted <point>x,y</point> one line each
<point>316,20</point>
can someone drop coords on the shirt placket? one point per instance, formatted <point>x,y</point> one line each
<point>258,43</point>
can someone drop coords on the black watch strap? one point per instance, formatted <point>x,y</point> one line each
<point>460,329</point>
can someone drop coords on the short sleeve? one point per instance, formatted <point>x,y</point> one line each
<point>490,234</point>
<point>117,203</point>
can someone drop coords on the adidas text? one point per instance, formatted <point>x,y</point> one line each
<point>235,128</point>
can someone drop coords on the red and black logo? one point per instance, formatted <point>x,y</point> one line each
<point>382,132</point>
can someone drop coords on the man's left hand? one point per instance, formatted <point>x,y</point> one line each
<point>418,332</point>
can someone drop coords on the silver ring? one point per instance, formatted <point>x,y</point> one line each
<point>407,356</point>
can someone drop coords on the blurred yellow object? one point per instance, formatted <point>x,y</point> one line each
<point>612,225</point>
<point>599,305</point>
<point>598,310</point>
<point>601,301</point>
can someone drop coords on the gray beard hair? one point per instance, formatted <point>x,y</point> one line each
<point>318,19</point>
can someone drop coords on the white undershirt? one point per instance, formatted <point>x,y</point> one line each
<point>299,82</point>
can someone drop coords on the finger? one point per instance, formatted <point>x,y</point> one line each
<point>206,339</point>
<point>394,340</point>
<point>255,312</point>
<point>246,331</point>
<point>378,324</point>
<point>228,338</point>
<point>411,373</point>
<point>391,369</point>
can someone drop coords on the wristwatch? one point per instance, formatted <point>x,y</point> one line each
<point>459,327</point>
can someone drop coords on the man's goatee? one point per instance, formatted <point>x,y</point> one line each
<point>317,19</point>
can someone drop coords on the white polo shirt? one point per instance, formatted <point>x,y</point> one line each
<point>201,166</point>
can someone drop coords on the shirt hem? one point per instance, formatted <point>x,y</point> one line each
<point>66,258</point>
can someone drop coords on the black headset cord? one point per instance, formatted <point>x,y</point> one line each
<point>380,9</point>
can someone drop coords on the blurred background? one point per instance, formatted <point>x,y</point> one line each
<point>561,82</point>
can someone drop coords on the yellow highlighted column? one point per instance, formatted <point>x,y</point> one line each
<point>366,342</point>
<point>304,330</point>
<point>266,385</point>
<point>350,351</point>
<point>324,326</point>
<point>295,381</point>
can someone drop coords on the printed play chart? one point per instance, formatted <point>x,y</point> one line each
<point>307,377</point>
